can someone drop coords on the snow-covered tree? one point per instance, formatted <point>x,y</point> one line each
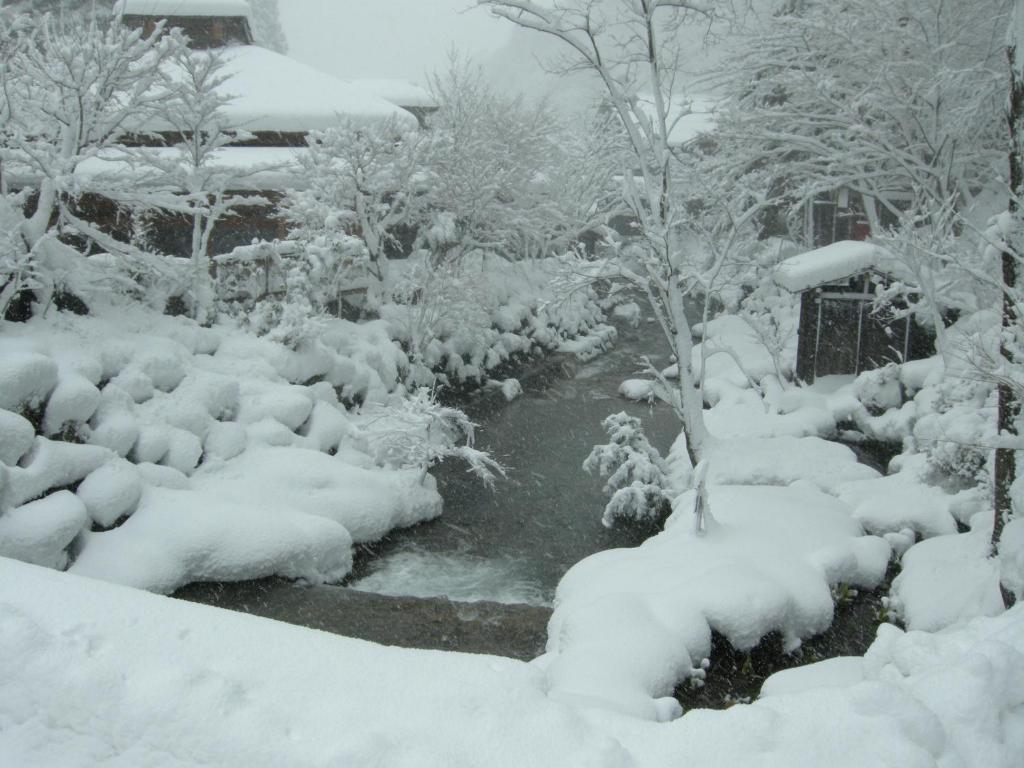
<point>488,158</point>
<point>266,25</point>
<point>1011,346</point>
<point>635,49</point>
<point>637,476</point>
<point>904,116</point>
<point>367,180</point>
<point>904,112</point>
<point>69,91</point>
<point>186,177</point>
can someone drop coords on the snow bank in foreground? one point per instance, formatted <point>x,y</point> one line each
<point>631,623</point>
<point>144,680</point>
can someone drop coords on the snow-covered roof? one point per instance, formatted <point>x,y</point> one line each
<point>829,264</point>
<point>263,168</point>
<point>275,93</point>
<point>399,92</point>
<point>272,92</point>
<point>167,8</point>
<point>188,8</point>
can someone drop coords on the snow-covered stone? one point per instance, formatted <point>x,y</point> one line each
<point>111,492</point>
<point>39,532</point>
<point>288,404</point>
<point>115,429</point>
<point>162,477</point>
<point>225,440</point>
<point>184,450</point>
<point>26,379</point>
<point>164,365</point>
<point>74,400</point>
<point>326,427</point>
<point>16,437</point>
<point>152,444</point>
<point>947,580</point>
<point>51,465</point>
<point>136,383</point>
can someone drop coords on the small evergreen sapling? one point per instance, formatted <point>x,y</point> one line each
<point>637,475</point>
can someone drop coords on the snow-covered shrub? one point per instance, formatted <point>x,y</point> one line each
<point>418,432</point>
<point>955,430</point>
<point>772,313</point>
<point>441,311</point>
<point>367,179</point>
<point>637,475</point>
<point>880,389</point>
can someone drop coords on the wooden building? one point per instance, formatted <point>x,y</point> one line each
<point>275,99</point>
<point>840,332</point>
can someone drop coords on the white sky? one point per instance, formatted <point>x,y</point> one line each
<point>404,39</point>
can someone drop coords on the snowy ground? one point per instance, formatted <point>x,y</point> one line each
<point>96,674</point>
<point>205,456</point>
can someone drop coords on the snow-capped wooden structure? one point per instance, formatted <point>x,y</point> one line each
<point>839,333</point>
<point>276,100</point>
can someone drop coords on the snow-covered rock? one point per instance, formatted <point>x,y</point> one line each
<point>73,400</point>
<point>288,404</point>
<point>16,437</point>
<point>225,440</point>
<point>111,492</point>
<point>51,465</point>
<point>947,580</point>
<point>26,379</point>
<point>41,531</point>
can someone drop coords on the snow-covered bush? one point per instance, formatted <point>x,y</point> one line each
<point>637,476</point>
<point>373,180</point>
<point>418,433</point>
<point>772,313</point>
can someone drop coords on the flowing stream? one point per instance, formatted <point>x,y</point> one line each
<point>479,578</point>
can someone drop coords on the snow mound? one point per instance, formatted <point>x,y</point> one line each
<point>784,461</point>
<point>947,580</point>
<point>73,400</point>
<point>640,390</point>
<point>26,379</point>
<point>16,437</point>
<point>589,345</point>
<point>902,500</point>
<point>111,492</point>
<point>51,465</point>
<point>631,623</point>
<point>179,536</point>
<point>41,531</point>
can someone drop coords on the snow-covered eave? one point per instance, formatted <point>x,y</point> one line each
<point>183,8</point>
<point>398,92</point>
<point>270,92</point>
<point>252,169</point>
<point>830,264</point>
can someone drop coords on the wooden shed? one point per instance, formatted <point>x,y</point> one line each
<point>839,332</point>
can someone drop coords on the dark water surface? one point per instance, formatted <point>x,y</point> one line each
<point>512,544</point>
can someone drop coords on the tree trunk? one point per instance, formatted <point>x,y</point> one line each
<point>1009,405</point>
